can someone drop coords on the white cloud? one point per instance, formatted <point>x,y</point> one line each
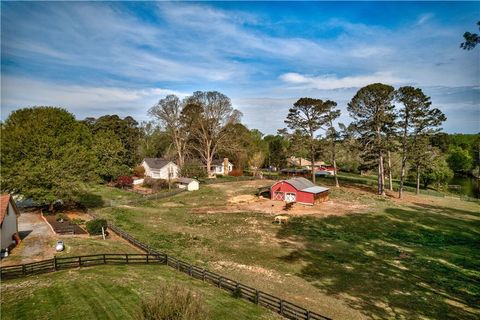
<point>82,100</point>
<point>330,81</point>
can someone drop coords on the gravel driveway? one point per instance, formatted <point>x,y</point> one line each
<point>37,240</point>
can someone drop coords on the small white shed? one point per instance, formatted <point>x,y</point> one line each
<point>188,183</point>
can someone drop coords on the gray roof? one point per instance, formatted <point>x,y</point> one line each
<point>305,185</point>
<point>185,180</point>
<point>156,163</point>
<point>315,189</point>
<point>300,183</point>
<point>218,162</point>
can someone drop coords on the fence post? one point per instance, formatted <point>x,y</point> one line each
<point>24,269</point>
<point>257,296</point>
<point>147,257</point>
<point>166,259</point>
<point>190,270</point>
<point>220,282</point>
<point>203,274</point>
<point>104,259</point>
<point>281,307</point>
<point>126,256</point>
<point>79,261</point>
<point>55,263</point>
<point>308,314</point>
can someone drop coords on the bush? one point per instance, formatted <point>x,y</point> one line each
<point>77,221</point>
<point>173,302</point>
<point>155,184</point>
<point>237,293</point>
<point>94,227</point>
<point>60,217</point>
<point>124,181</point>
<point>139,171</point>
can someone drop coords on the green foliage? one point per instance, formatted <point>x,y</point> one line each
<point>46,155</point>
<point>94,227</point>
<point>193,168</point>
<point>436,172</point>
<point>459,159</point>
<point>155,184</point>
<point>110,153</point>
<point>174,302</point>
<point>471,39</point>
<point>126,130</point>
<point>237,293</point>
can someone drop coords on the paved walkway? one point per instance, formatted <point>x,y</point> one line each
<point>38,240</point>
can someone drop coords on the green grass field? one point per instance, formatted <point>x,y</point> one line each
<point>419,258</point>
<point>110,292</point>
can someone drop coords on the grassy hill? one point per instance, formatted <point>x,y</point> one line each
<point>413,258</point>
<point>110,292</point>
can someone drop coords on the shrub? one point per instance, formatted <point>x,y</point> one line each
<point>139,171</point>
<point>155,184</point>
<point>124,181</point>
<point>60,217</point>
<point>94,227</point>
<point>78,221</point>
<point>173,302</point>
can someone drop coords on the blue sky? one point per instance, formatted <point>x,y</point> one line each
<point>96,58</point>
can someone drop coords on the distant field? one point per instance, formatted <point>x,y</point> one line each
<point>416,258</point>
<point>110,292</point>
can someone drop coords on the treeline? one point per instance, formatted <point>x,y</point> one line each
<point>48,155</point>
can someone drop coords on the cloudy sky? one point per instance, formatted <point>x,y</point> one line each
<point>96,58</point>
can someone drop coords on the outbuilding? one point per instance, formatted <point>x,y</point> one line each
<point>8,222</point>
<point>188,183</point>
<point>298,190</point>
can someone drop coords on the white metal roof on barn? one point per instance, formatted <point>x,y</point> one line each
<point>315,189</point>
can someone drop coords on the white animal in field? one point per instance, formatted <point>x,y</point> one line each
<point>281,219</point>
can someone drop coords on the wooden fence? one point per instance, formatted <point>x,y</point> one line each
<point>285,308</point>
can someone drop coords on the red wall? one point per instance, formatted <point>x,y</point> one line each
<point>283,186</point>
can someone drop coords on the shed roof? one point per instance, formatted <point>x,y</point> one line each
<point>156,163</point>
<point>5,199</point>
<point>186,180</point>
<point>305,185</point>
<point>315,189</point>
<point>300,183</point>
<point>218,162</point>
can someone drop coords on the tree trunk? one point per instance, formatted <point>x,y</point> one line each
<point>312,151</point>
<point>390,185</point>
<point>381,176</point>
<point>334,160</point>
<point>418,180</point>
<point>51,207</point>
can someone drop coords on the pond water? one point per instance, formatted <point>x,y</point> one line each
<point>467,186</point>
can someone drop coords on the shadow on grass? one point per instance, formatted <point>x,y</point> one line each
<point>410,263</point>
<point>89,200</point>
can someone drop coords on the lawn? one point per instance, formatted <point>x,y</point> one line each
<point>110,292</point>
<point>416,258</point>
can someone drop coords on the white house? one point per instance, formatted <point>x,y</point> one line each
<point>187,183</point>
<point>8,221</point>
<point>218,167</point>
<point>160,169</point>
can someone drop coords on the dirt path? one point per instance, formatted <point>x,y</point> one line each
<point>37,240</point>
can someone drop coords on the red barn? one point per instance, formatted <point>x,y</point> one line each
<point>298,190</point>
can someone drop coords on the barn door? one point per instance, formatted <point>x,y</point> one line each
<point>278,195</point>
<point>290,197</point>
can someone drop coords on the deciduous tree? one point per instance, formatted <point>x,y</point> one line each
<point>46,155</point>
